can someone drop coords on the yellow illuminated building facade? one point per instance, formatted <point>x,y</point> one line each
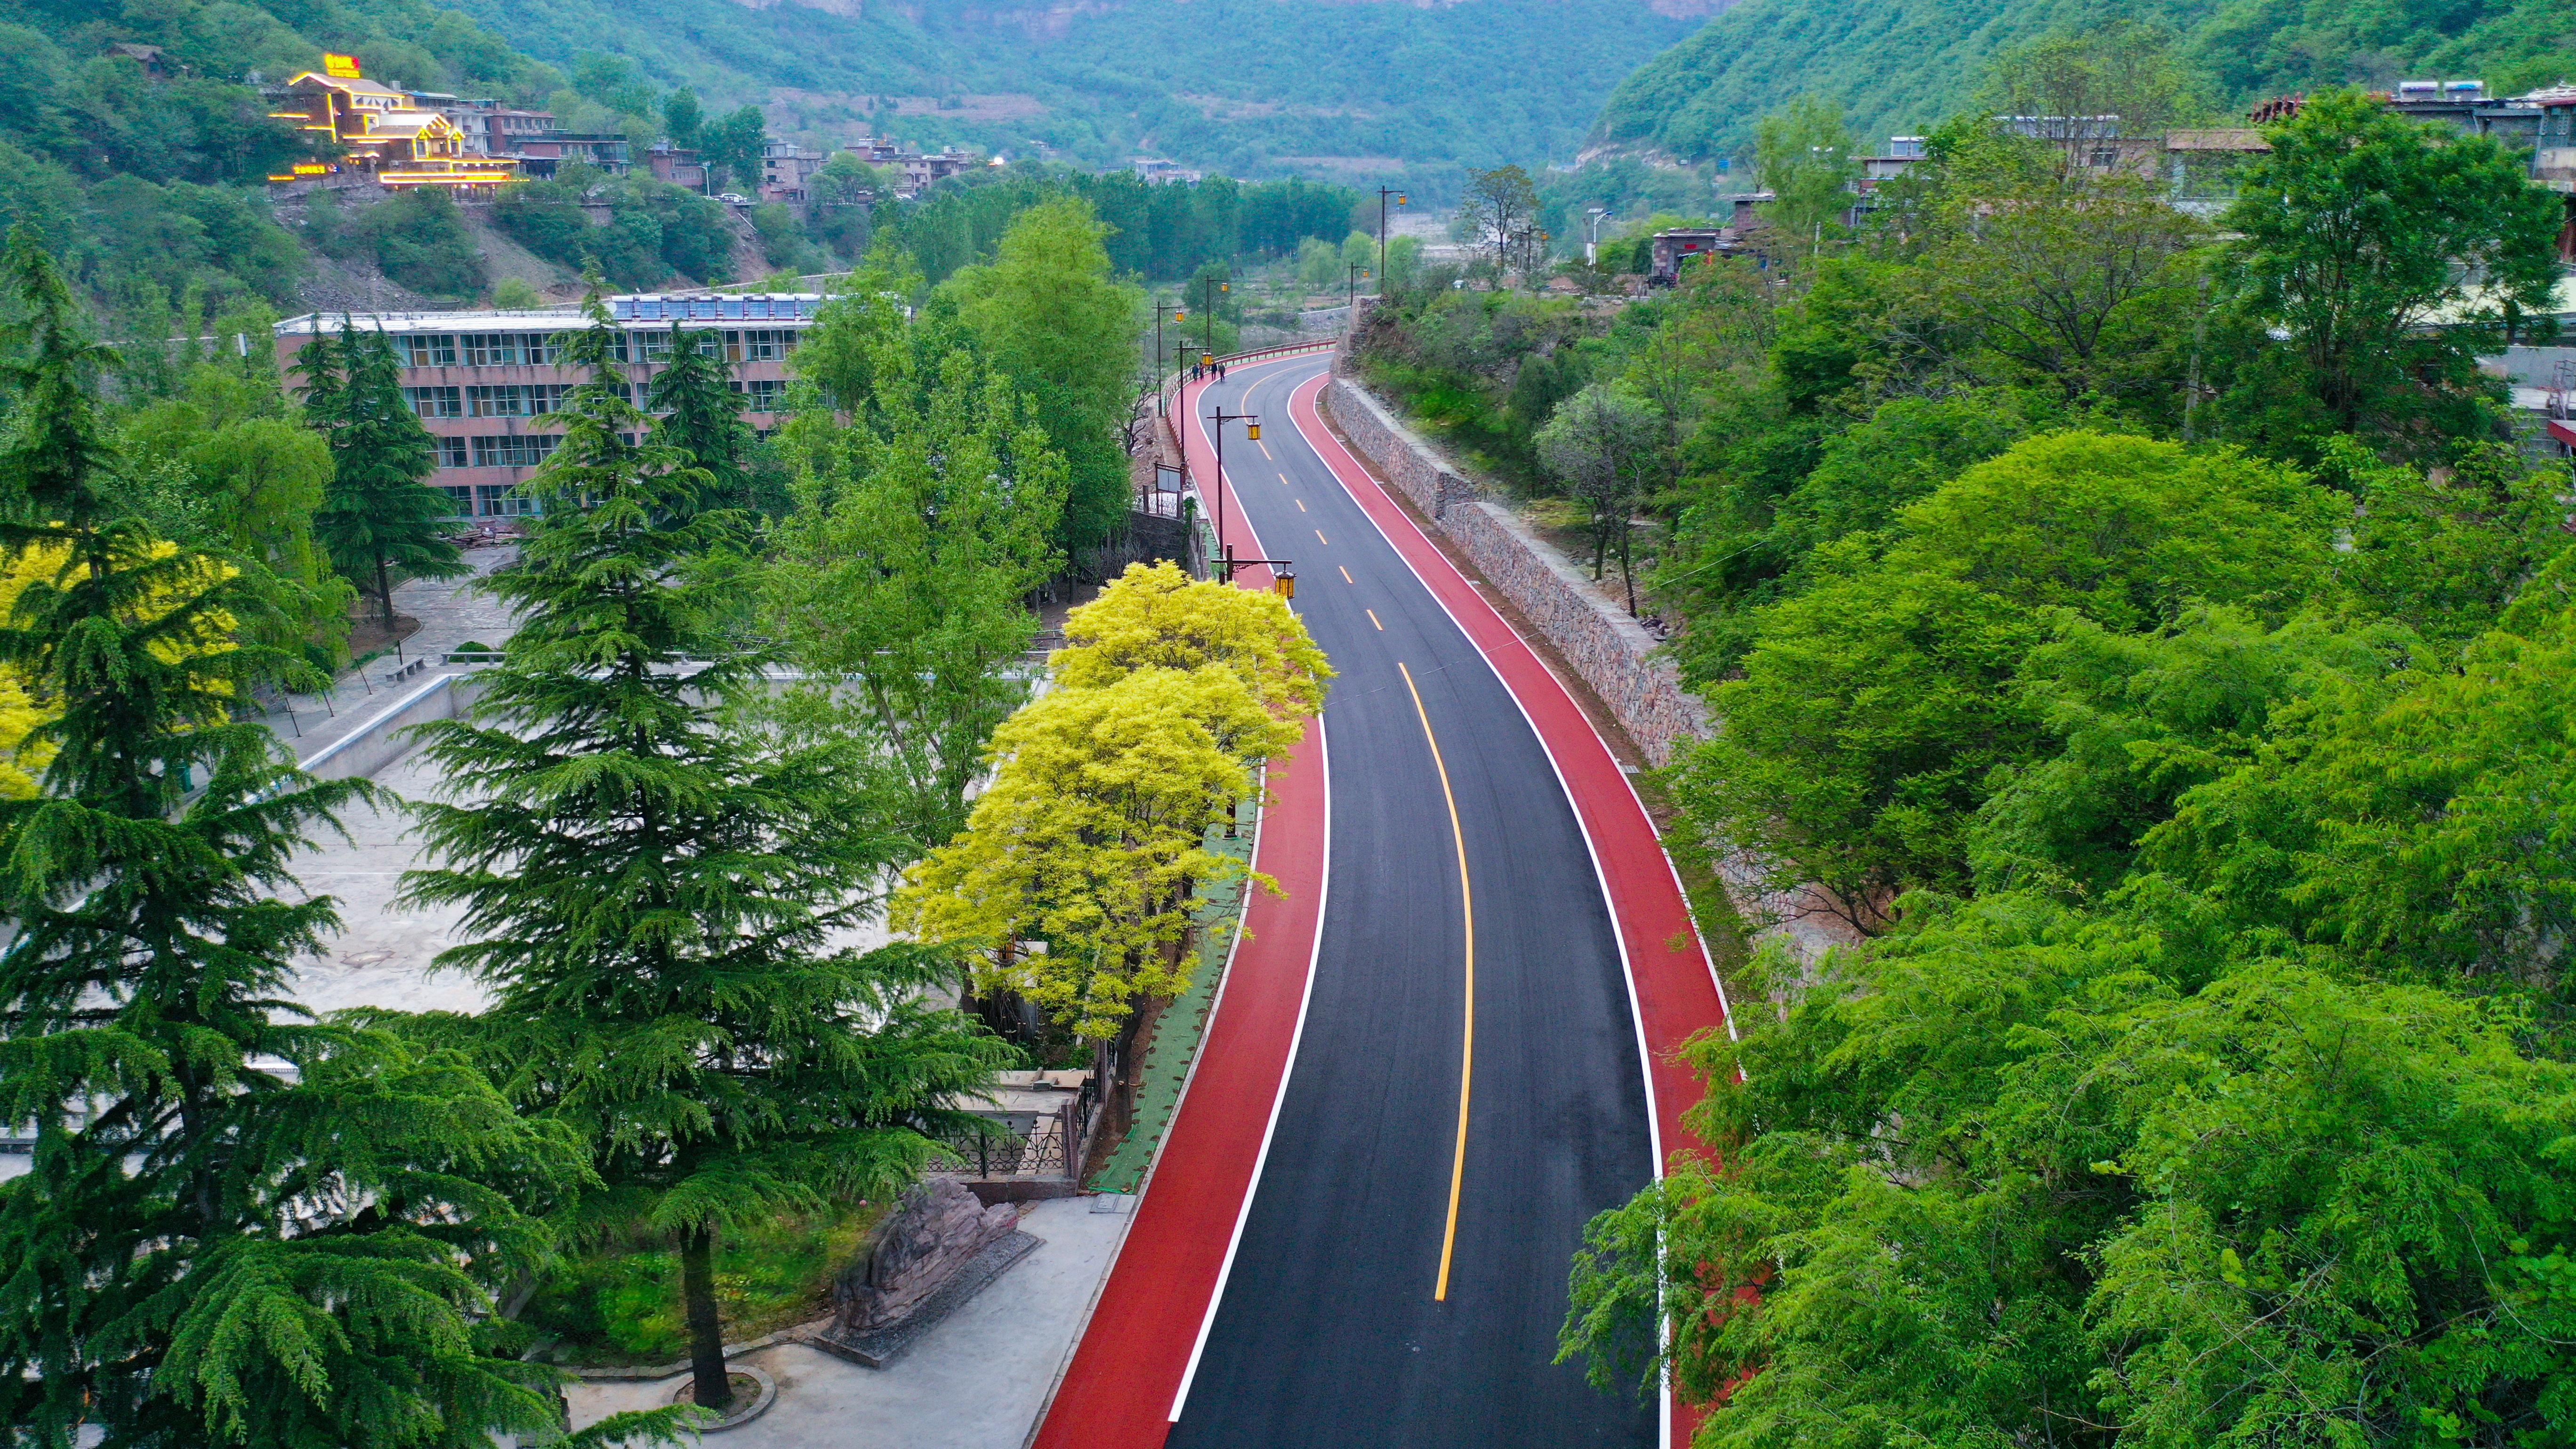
<point>382,133</point>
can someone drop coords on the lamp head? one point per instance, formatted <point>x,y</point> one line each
<point>1252,431</point>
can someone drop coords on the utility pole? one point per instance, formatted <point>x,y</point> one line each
<point>1383,193</point>
<point>1210,288</point>
<point>1252,431</point>
<point>1592,246</point>
<point>1351,294</point>
<point>1178,315</point>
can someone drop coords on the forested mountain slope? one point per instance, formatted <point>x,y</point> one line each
<point>1251,87</point>
<point>1902,65</point>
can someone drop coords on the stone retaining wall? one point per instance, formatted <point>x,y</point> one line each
<point>1612,652</point>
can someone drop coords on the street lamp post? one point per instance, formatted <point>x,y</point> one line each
<point>1211,287</point>
<point>1592,246</point>
<point>1179,315</point>
<point>1252,432</point>
<point>1383,193</point>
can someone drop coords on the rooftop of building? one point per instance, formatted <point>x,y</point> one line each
<point>633,307</point>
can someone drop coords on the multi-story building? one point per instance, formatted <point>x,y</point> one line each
<point>676,164</point>
<point>543,153</point>
<point>482,382</point>
<point>784,168</point>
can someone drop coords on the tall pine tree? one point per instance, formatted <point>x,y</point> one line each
<point>239,1225</point>
<point>702,418</point>
<point>652,888</point>
<point>377,516</point>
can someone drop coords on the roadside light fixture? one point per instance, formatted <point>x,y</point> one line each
<point>1252,431</point>
<point>1383,193</point>
<point>1207,359</point>
<point>1252,425</point>
<point>1285,583</point>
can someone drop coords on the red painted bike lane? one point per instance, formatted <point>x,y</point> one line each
<point>1126,1376</point>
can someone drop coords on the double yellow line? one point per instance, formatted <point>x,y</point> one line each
<point>1467,1048</point>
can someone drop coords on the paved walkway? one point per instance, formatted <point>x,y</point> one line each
<point>976,1381</point>
<point>451,612</point>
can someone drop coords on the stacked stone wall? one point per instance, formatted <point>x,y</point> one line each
<point>1612,652</point>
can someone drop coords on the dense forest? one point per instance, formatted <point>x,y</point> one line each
<point>1901,65</point>
<point>2147,640</point>
<point>1389,91</point>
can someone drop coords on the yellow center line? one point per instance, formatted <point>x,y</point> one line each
<point>1346,575</point>
<point>1265,451</point>
<point>1467,1044</point>
<point>1283,480</point>
<point>1301,505</point>
<point>1372,613</point>
<point>1319,538</point>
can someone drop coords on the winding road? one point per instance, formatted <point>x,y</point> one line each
<point>1476,1061</point>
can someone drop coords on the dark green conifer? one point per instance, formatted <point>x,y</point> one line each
<point>702,418</point>
<point>238,1225</point>
<point>652,886</point>
<point>378,515</point>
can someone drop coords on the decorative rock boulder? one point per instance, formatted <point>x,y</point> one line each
<point>935,1231</point>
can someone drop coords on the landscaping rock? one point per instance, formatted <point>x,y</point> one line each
<point>936,1230</point>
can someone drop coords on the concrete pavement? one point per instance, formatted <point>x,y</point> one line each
<point>976,1381</point>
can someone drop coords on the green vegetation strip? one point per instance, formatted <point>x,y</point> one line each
<point>1184,1022</point>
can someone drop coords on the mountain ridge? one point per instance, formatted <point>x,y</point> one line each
<point>1900,65</point>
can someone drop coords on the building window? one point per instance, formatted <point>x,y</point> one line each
<point>502,499</point>
<point>514,400</point>
<point>434,402</point>
<point>461,496</point>
<point>538,349</point>
<point>429,349</point>
<point>760,345</point>
<point>653,346</point>
<point>518,450</point>
<point>762,395</point>
<point>491,349</point>
<point>451,451</point>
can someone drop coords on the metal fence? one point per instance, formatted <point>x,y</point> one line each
<point>1027,1144</point>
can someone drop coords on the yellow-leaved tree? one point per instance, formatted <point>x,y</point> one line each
<point>1072,882</point>
<point>1158,617</point>
<point>25,749</point>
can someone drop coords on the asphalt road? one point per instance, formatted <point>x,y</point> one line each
<point>1329,1333</point>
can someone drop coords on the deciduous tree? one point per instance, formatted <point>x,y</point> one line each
<point>2361,226</point>
<point>902,574</point>
<point>1064,331</point>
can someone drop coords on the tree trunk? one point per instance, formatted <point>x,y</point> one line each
<point>1627,563</point>
<point>706,1329</point>
<point>385,592</point>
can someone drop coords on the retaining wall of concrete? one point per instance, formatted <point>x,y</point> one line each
<point>387,737</point>
<point>1611,651</point>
